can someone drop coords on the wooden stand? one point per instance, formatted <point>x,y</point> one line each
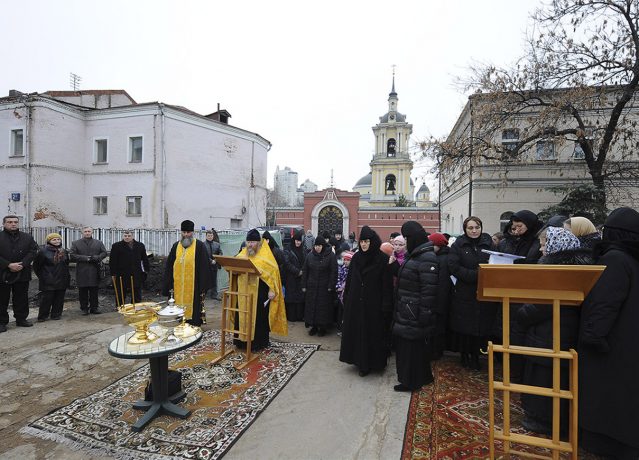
<point>231,305</point>
<point>546,285</point>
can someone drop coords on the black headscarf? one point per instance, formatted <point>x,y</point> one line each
<point>621,231</point>
<point>271,242</point>
<point>368,233</point>
<point>414,234</point>
<point>533,224</point>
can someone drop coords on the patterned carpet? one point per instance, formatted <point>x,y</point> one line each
<point>449,419</point>
<point>224,401</point>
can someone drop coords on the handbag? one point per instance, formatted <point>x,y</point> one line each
<point>174,385</point>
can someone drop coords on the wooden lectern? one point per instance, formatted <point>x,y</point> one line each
<point>539,284</point>
<point>231,305</point>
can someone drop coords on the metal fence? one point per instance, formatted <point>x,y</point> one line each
<point>156,241</point>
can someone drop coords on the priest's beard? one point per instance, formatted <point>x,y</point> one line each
<point>252,251</point>
<point>186,242</point>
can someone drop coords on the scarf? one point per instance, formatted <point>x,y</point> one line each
<point>184,278</point>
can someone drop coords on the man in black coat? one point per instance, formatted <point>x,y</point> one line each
<point>187,274</point>
<point>128,260</point>
<point>17,251</point>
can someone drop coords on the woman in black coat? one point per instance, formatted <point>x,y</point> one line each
<point>367,306</point>
<point>520,236</point>
<point>559,247</point>
<point>51,265</point>
<point>415,314</point>
<point>278,253</point>
<point>319,276</point>
<point>608,345</point>
<point>444,289</point>
<point>471,321</point>
<point>294,264</point>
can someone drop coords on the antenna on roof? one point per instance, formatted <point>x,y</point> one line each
<point>74,81</point>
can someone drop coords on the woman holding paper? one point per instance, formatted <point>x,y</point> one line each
<point>471,321</point>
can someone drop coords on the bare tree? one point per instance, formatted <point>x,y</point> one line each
<point>576,83</point>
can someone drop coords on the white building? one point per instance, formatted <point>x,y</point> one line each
<point>285,186</point>
<point>493,185</point>
<point>98,158</point>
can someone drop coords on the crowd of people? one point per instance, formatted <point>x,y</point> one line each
<point>414,295</point>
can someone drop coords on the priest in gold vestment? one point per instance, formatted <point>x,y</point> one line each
<point>269,314</point>
<point>187,273</point>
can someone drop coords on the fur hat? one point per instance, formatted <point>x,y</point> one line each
<point>187,226</point>
<point>50,236</point>
<point>253,235</point>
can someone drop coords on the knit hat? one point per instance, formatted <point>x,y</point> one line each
<point>399,239</point>
<point>438,239</point>
<point>50,236</point>
<point>319,241</point>
<point>187,226</point>
<point>559,239</point>
<point>387,248</point>
<point>347,255</point>
<point>253,235</point>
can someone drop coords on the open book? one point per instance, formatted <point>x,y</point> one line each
<point>501,257</point>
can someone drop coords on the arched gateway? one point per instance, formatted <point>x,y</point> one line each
<point>329,215</point>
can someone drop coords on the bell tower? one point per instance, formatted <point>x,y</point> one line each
<point>391,164</point>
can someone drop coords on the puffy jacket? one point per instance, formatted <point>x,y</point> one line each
<point>415,312</point>
<point>52,276</point>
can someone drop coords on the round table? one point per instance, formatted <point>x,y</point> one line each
<point>158,355</point>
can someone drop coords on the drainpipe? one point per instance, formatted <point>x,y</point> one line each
<point>163,182</point>
<point>27,158</point>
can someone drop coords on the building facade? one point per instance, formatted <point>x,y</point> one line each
<point>285,186</point>
<point>98,158</point>
<point>492,185</point>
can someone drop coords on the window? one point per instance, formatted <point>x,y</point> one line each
<point>389,188</point>
<point>390,147</point>
<point>99,205</point>
<point>135,149</point>
<point>133,205</point>
<point>236,223</point>
<point>101,150</point>
<point>17,143</point>
<point>546,150</point>
<point>509,140</point>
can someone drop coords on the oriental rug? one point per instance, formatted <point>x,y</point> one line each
<point>224,402</point>
<point>449,418</point>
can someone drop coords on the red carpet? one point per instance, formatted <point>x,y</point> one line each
<point>449,418</point>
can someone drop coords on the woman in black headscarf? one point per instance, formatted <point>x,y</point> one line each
<point>415,312</point>
<point>367,306</point>
<point>278,254</point>
<point>294,263</point>
<point>471,321</point>
<point>520,236</point>
<point>608,345</point>
<point>319,277</point>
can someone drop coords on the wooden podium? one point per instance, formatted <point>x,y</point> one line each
<point>538,284</point>
<point>238,288</point>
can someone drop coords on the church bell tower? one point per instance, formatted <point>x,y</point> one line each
<point>391,165</point>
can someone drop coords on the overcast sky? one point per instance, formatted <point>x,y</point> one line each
<point>311,77</point>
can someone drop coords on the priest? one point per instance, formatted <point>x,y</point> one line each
<point>187,273</point>
<point>269,312</point>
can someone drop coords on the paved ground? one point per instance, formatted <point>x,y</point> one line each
<point>325,412</point>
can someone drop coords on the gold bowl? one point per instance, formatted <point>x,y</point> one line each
<point>140,316</point>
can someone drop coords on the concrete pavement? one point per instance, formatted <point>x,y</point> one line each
<point>326,411</point>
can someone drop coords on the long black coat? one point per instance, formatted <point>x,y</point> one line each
<point>293,266</point>
<point>608,350</point>
<point>444,290</point>
<point>368,298</point>
<point>416,310</point>
<point>126,261</point>
<point>319,278</point>
<point>87,253</point>
<point>17,247</point>
<point>51,276</point>
<point>468,316</point>
<point>536,321</point>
